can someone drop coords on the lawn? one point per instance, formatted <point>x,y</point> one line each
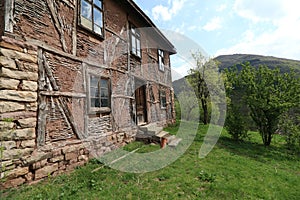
<point>232,170</point>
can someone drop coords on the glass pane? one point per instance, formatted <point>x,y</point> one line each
<point>133,44</point>
<point>138,48</point>
<point>104,102</point>
<point>86,9</point>
<point>97,17</point>
<point>94,81</point>
<point>104,93</point>
<point>97,29</point>
<point>104,83</point>
<point>94,92</point>
<point>93,102</point>
<point>98,3</point>
<point>97,102</point>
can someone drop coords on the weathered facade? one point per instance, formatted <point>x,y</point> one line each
<point>76,72</point>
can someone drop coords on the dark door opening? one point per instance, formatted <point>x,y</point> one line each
<point>141,106</point>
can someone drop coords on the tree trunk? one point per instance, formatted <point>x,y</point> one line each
<point>205,111</point>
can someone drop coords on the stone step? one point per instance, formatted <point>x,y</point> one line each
<point>157,137</point>
<point>174,142</point>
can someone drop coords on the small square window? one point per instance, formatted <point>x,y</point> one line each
<point>163,99</point>
<point>99,92</point>
<point>135,38</point>
<point>91,15</point>
<point>161,60</point>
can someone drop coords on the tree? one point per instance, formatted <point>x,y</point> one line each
<point>205,74</point>
<point>268,94</point>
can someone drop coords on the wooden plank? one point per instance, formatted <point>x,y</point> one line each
<point>41,125</point>
<point>64,94</point>
<point>70,118</point>
<point>49,74</point>
<point>9,16</point>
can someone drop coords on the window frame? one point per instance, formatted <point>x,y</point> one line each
<point>93,24</point>
<point>161,60</point>
<point>134,32</point>
<point>162,94</point>
<point>100,108</point>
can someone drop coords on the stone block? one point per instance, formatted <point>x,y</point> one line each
<point>74,165</point>
<point>36,157</point>
<point>6,125</point>
<point>13,182</point>
<point>27,123</point>
<point>30,86</point>
<point>45,171</point>
<point>71,156</point>
<point>57,159</point>
<point>29,67</point>
<point>19,75</point>
<point>16,153</point>
<point>15,173</point>
<point>20,96</point>
<point>83,158</point>
<point>7,106</point>
<point>10,84</point>
<point>8,145</point>
<point>28,143</point>
<point>31,106</point>
<point>7,62</point>
<point>29,176</point>
<point>18,55</point>
<point>18,134</point>
<point>7,165</point>
<point>74,148</point>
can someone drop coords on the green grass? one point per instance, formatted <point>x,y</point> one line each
<point>233,170</point>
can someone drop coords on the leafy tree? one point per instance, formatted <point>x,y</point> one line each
<point>202,78</point>
<point>268,94</point>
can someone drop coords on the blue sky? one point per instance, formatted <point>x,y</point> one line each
<point>220,27</point>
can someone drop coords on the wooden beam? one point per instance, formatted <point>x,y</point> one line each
<point>65,94</point>
<point>49,74</point>
<point>9,16</point>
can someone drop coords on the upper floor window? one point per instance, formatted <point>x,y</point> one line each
<point>91,15</point>
<point>161,60</point>
<point>99,92</point>
<point>135,38</point>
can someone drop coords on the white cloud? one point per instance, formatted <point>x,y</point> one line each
<point>214,24</point>
<point>166,13</point>
<point>283,41</point>
<point>221,8</point>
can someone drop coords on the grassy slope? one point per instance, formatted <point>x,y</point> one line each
<point>232,170</point>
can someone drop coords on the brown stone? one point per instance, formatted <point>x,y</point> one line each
<point>37,156</point>
<point>71,156</point>
<point>28,143</point>
<point>10,84</point>
<point>57,159</point>
<point>83,158</point>
<point>18,55</point>
<point>19,75</point>
<point>16,153</point>
<point>10,46</point>
<point>21,96</point>
<point>7,165</point>
<point>18,134</point>
<point>74,165</point>
<point>27,123</point>
<point>46,171</point>
<point>29,86</point>
<point>7,62</point>
<point>15,173</point>
<point>6,106</point>
<point>14,182</point>
<point>8,145</point>
<point>74,148</point>
<point>6,125</point>
<point>29,176</point>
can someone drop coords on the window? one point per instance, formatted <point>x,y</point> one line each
<point>163,99</point>
<point>99,92</point>
<point>91,15</point>
<point>135,38</point>
<point>161,60</point>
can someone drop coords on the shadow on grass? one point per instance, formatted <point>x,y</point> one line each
<point>257,151</point>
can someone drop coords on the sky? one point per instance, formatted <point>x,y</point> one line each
<point>222,27</point>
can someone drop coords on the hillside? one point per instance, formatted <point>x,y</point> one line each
<point>285,65</point>
<point>227,61</point>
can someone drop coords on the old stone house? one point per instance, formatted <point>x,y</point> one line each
<point>74,71</point>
